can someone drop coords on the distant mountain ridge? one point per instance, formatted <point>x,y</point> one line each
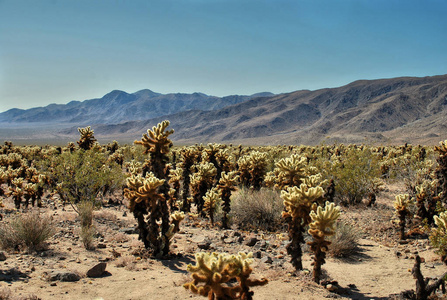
<point>118,106</point>
<point>396,110</point>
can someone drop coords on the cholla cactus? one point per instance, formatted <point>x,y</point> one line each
<point>177,217</point>
<point>156,140</point>
<point>298,203</point>
<point>188,158</point>
<point>175,176</point>
<point>290,171</point>
<point>211,198</point>
<point>201,182</point>
<point>441,170</point>
<point>438,236</point>
<point>402,205</point>
<point>252,169</point>
<point>213,272</point>
<point>322,225</point>
<point>149,196</point>
<point>226,185</point>
<point>87,140</point>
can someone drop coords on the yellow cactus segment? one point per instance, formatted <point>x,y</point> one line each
<point>143,189</point>
<point>323,221</point>
<point>402,202</point>
<point>297,198</point>
<point>291,170</point>
<point>214,271</point>
<point>441,221</point>
<point>229,179</point>
<point>156,140</point>
<point>211,198</point>
<point>442,148</point>
<point>178,216</point>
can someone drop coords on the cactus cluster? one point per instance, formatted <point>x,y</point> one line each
<point>214,276</point>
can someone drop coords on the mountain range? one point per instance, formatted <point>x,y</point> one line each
<point>396,110</point>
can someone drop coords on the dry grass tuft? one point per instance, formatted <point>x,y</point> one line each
<point>345,241</point>
<point>257,209</point>
<point>29,230</point>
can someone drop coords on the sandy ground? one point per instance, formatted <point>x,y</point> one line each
<point>379,268</point>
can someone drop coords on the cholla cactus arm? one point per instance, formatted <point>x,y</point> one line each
<point>290,171</point>
<point>323,220</point>
<point>212,271</point>
<point>441,221</point>
<point>226,185</point>
<point>177,217</point>
<point>156,140</point>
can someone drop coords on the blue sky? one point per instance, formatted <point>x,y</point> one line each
<point>62,50</point>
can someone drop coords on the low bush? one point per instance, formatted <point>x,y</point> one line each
<point>29,230</point>
<point>345,241</point>
<point>257,209</point>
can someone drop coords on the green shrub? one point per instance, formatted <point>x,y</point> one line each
<point>29,230</point>
<point>251,209</point>
<point>353,173</point>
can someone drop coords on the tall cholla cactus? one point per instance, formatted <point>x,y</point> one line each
<point>298,203</point>
<point>213,272</point>
<point>322,225</point>
<point>188,158</point>
<point>87,140</point>
<point>226,185</point>
<point>402,205</point>
<point>211,198</point>
<point>149,195</point>
<point>201,182</point>
<point>441,170</point>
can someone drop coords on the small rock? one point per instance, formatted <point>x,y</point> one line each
<point>267,260</point>
<point>128,230</point>
<point>2,256</point>
<point>205,245</point>
<point>331,288</point>
<point>101,246</point>
<point>251,241</point>
<point>64,276</point>
<point>97,270</point>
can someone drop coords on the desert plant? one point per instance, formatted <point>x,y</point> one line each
<point>322,226</point>
<point>86,140</point>
<point>441,170</point>
<point>290,171</point>
<point>402,205</point>
<point>344,242</point>
<point>211,199</point>
<point>213,273</point>
<point>298,203</point>
<point>188,158</point>
<point>149,195</point>
<point>30,230</point>
<point>226,185</point>
<point>201,182</point>
<point>256,209</point>
<point>438,235</point>
<point>252,169</point>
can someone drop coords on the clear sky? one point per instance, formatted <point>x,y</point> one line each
<point>55,51</point>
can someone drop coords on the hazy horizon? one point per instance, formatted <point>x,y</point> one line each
<point>56,51</point>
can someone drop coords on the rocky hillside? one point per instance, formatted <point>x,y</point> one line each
<point>386,110</point>
<point>118,106</point>
<point>396,110</point>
